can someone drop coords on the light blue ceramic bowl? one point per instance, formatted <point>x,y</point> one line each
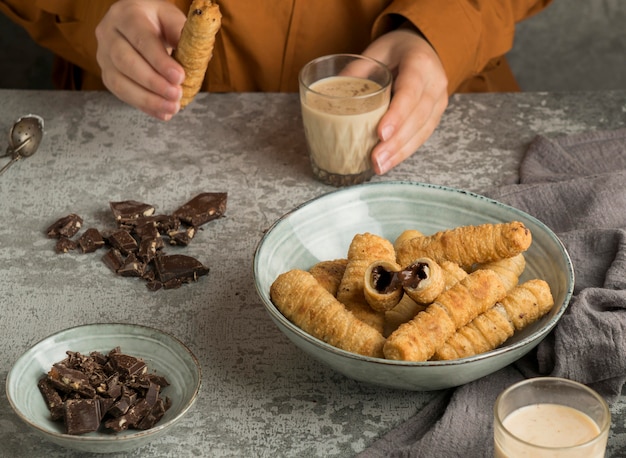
<point>323,228</point>
<point>163,354</point>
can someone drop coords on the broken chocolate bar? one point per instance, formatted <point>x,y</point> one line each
<point>67,226</point>
<point>113,390</point>
<point>91,240</point>
<point>203,208</point>
<point>64,245</point>
<point>179,267</point>
<point>82,415</point>
<point>128,211</point>
<point>123,241</point>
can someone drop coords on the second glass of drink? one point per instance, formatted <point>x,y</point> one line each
<point>343,97</point>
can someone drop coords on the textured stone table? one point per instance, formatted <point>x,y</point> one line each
<point>261,396</point>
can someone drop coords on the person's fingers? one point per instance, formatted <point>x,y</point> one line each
<point>419,99</point>
<point>133,40</point>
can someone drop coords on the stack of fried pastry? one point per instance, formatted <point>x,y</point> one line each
<point>452,294</point>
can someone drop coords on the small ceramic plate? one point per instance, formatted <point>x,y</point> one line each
<point>164,355</point>
<point>323,228</point>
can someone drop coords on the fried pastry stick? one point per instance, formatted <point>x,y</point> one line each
<point>468,245</point>
<point>404,311</point>
<point>524,305</point>
<point>418,339</point>
<point>509,269</point>
<point>406,235</point>
<point>411,304</point>
<point>195,48</point>
<point>381,286</point>
<point>329,273</point>
<point>313,309</point>
<point>364,249</point>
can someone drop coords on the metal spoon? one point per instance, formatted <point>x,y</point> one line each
<point>24,138</point>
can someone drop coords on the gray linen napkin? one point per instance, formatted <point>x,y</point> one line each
<point>576,185</point>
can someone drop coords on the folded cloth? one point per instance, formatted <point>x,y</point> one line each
<point>576,185</point>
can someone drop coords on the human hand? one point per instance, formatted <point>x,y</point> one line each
<point>135,39</point>
<point>420,96</point>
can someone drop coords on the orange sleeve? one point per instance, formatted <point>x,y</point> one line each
<point>65,27</point>
<point>470,36</point>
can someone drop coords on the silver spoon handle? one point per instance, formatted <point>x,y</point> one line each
<point>10,163</point>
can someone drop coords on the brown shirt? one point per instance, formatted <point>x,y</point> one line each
<point>263,44</point>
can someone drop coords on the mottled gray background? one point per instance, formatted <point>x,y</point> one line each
<point>572,45</point>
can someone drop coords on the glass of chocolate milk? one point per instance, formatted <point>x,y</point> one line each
<point>550,417</point>
<point>343,97</point>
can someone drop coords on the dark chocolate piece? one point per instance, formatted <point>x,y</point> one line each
<point>67,226</point>
<point>123,403</point>
<point>203,208</point>
<point>132,267</point>
<point>127,365</point>
<point>113,259</point>
<point>178,267</point>
<point>123,241</point>
<point>52,398</point>
<point>183,237</point>
<point>163,223</point>
<point>82,415</point>
<point>64,245</point>
<point>91,240</point>
<point>130,210</point>
<point>153,416</point>
<point>71,380</point>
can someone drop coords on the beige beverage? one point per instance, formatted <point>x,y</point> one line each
<point>553,430</point>
<point>340,115</point>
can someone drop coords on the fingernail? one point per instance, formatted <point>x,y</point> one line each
<point>174,93</point>
<point>380,162</point>
<point>386,132</point>
<point>174,76</point>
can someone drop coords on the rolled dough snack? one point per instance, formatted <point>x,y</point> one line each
<point>313,309</point>
<point>195,48</point>
<point>329,274</point>
<point>381,285</point>
<point>523,305</point>
<point>468,245</point>
<point>419,338</point>
<point>509,269</point>
<point>363,250</point>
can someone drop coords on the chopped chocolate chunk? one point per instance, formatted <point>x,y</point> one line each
<point>203,208</point>
<point>64,245</point>
<point>67,226</point>
<point>130,210</point>
<point>179,267</point>
<point>162,223</point>
<point>127,365</point>
<point>70,380</point>
<point>123,241</point>
<point>82,415</point>
<point>91,240</point>
<point>154,285</point>
<point>52,398</point>
<point>153,416</point>
<point>183,237</point>
<point>113,259</point>
<point>132,267</point>
<point>123,403</point>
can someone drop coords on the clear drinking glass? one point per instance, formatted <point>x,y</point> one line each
<point>550,417</point>
<point>343,97</point>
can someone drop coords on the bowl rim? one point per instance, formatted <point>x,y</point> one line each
<point>100,438</point>
<point>527,340</point>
